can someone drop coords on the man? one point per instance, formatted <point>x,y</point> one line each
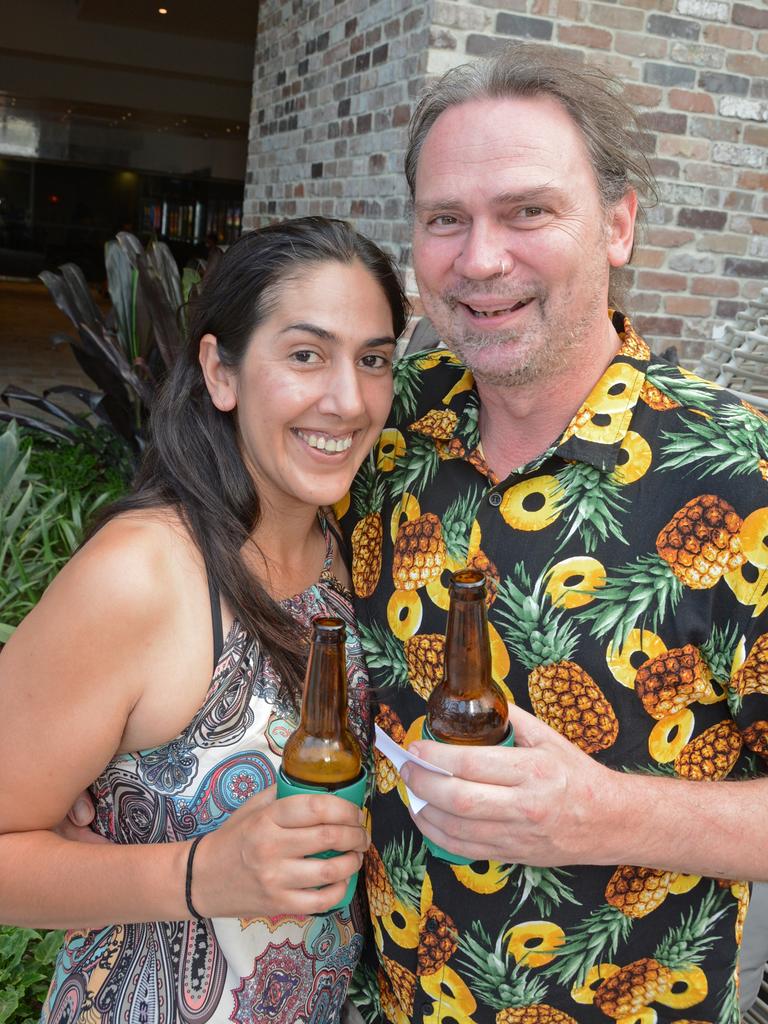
<point>618,507</point>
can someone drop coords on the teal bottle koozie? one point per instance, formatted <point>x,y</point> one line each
<point>434,849</point>
<point>354,793</point>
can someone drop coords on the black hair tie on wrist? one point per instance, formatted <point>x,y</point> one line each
<point>188,882</point>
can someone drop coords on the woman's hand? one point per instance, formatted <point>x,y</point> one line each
<point>259,863</point>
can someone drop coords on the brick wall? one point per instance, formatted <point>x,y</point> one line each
<point>335,83</point>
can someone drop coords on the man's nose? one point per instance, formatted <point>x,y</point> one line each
<point>485,253</point>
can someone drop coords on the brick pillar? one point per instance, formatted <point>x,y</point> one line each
<point>335,82</point>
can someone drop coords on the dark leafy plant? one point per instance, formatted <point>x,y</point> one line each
<point>26,966</point>
<point>126,353</point>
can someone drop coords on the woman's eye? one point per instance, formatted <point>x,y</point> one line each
<point>375,361</point>
<point>305,356</point>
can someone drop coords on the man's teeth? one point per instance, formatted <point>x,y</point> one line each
<point>496,312</point>
<point>325,443</point>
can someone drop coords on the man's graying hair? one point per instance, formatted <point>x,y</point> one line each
<point>590,97</point>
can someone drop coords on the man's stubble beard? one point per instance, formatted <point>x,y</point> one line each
<point>555,335</point>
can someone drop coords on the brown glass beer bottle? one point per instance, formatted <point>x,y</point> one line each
<point>467,707</point>
<point>323,751</point>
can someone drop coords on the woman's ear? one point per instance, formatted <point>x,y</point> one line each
<point>219,379</point>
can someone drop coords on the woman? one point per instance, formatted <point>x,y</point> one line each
<point>166,662</point>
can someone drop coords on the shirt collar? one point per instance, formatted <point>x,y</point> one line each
<point>596,433</point>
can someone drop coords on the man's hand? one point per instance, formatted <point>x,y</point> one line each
<point>538,802</point>
<point>77,824</point>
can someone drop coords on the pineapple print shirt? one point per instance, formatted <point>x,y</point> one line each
<point>628,579</point>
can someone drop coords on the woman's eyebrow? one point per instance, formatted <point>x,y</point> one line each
<point>324,335</point>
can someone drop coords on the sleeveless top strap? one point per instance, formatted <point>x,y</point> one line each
<point>218,629</point>
<point>329,533</point>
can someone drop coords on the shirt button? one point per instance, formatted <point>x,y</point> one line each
<point>494,498</point>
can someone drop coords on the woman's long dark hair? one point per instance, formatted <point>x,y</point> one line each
<point>192,461</point>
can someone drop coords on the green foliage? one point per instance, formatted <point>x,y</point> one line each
<point>26,965</point>
<point>48,494</point>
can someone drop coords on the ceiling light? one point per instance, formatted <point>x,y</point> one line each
<point>162,10</point>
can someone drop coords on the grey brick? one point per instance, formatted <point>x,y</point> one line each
<point>666,74</point>
<point>663,25</point>
<point>523,28</point>
<point>714,81</point>
<point>481,46</point>
<point>689,263</point>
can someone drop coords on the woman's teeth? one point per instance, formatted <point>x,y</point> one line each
<point>326,443</point>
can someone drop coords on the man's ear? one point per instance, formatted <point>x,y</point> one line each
<point>621,229</point>
<point>219,379</point>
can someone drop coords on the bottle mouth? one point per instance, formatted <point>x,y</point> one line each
<point>468,581</point>
<point>328,630</point>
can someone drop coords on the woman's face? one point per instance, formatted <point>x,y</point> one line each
<point>315,385</point>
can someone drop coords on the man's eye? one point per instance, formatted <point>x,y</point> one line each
<point>533,211</point>
<point>444,220</point>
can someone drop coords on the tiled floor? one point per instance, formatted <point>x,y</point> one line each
<point>28,318</point>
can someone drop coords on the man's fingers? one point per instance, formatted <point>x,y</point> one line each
<point>501,766</point>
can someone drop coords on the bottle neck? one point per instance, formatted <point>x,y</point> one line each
<point>467,644</point>
<point>324,707</point>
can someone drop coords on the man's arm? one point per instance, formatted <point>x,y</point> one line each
<point>545,802</point>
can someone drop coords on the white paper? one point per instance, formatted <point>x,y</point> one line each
<point>398,756</point>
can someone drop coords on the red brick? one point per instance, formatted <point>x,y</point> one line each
<point>651,327</point>
<point>752,180</point>
<point>684,305</point>
<point>641,45</point>
<point>642,95</point>
<point>660,121</point>
<point>756,135</point>
<point>572,10</point>
<point>714,286</point>
<point>708,174</point>
<point>738,201</point>
<point>747,64</point>
<point>724,35</point>
<point>583,35</point>
<point>664,168</point>
<point>649,258</point>
<point>616,17</point>
<point>762,42</point>
<point>697,102</point>
<point>669,237</point>
<point>661,282</point>
<point>691,149</point>
<point>746,14</point>
<point>733,245</point>
<point>401,115</point>
<point>759,225</point>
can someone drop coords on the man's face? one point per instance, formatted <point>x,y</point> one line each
<point>507,185</point>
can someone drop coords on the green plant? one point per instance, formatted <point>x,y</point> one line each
<point>47,495</point>
<point>26,965</point>
<point>48,491</point>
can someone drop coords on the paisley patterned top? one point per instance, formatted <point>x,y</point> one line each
<point>282,970</point>
<point>628,609</point>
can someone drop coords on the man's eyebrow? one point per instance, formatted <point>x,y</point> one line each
<point>528,195</point>
<point>324,335</point>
